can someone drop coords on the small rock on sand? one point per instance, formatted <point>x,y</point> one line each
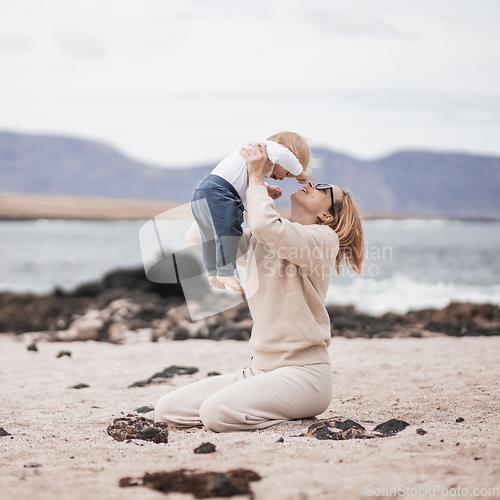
<point>205,448</point>
<point>32,347</point>
<point>391,427</point>
<point>327,431</point>
<point>165,374</point>
<point>135,427</point>
<point>144,409</point>
<point>3,432</point>
<point>79,386</point>
<point>339,430</point>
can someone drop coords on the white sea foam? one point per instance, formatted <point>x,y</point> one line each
<point>400,294</point>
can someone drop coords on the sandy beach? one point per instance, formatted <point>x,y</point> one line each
<point>59,447</point>
<point>24,206</point>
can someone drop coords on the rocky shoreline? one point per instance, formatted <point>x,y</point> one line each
<point>125,305</point>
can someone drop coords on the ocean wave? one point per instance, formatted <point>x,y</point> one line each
<point>399,294</point>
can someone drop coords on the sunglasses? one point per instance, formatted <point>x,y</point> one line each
<point>322,187</point>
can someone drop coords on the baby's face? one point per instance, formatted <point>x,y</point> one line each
<point>279,173</point>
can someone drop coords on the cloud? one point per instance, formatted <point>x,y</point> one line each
<point>13,42</point>
<point>77,41</point>
<point>352,23</point>
<point>449,106</point>
<point>149,75</point>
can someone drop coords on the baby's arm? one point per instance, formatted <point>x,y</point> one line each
<point>274,192</point>
<point>283,157</point>
<point>302,178</point>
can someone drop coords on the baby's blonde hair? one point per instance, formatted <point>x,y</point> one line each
<point>298,146</point>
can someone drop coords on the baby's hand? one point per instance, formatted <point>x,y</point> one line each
<point>302,178</point>
<point>274,192</point>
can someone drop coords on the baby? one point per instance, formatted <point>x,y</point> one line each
<point>217,202</point>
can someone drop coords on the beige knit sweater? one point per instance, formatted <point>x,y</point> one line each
<point>289,266</point>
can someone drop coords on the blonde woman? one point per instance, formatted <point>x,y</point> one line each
<point>289,266</point>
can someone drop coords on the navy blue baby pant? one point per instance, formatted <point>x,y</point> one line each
<point>218,211</point>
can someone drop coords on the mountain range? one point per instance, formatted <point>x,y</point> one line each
<point>409,183</point>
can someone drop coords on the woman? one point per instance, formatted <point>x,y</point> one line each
<point>289,266</point>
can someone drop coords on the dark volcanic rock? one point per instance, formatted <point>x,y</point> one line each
<point>144,409</point>
<point>63,353</point>
<point>165,374</point>
<point>327,430</point>
<point>339,430</point>
<point>421,432</point>
<point>459,419</point>
<point>124,301</point>
<point>32,347</point>
<point>135,427</point>
<point>456,319</point>
<point>199,484</point>
<point>30,313</point>
<point>391,427</point>
<point>133,279</point>
<point>175,370</point>
<point>55,311</point>
<point>79,386</point>
<point>205,448</point>
<point>3,432</point>
<point>348,424</point>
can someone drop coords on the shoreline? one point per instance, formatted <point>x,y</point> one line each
<point>25,206</point>
<point>124,306</point>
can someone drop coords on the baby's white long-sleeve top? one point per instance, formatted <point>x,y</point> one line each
<point>234,170</point>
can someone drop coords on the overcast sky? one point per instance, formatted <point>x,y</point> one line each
<point>179,82</point>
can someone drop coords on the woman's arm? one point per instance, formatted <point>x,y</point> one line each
<point>305,246</point>
<point>255,155</point>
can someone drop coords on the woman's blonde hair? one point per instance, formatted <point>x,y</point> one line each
<point>347,224</point>
<point>298,146</point>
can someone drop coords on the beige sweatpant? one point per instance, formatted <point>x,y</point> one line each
<point>249,399</point>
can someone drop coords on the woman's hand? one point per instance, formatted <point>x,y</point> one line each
<point>255,155</point>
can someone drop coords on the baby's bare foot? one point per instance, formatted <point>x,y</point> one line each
<point>231,282</point>
<point>216,283</point>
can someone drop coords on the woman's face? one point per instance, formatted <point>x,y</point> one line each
<point>314,202</point>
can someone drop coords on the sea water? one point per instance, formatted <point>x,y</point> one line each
<point>412,264</point>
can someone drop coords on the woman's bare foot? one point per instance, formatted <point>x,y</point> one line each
<point>216,283</point>
<point>231,282</point>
